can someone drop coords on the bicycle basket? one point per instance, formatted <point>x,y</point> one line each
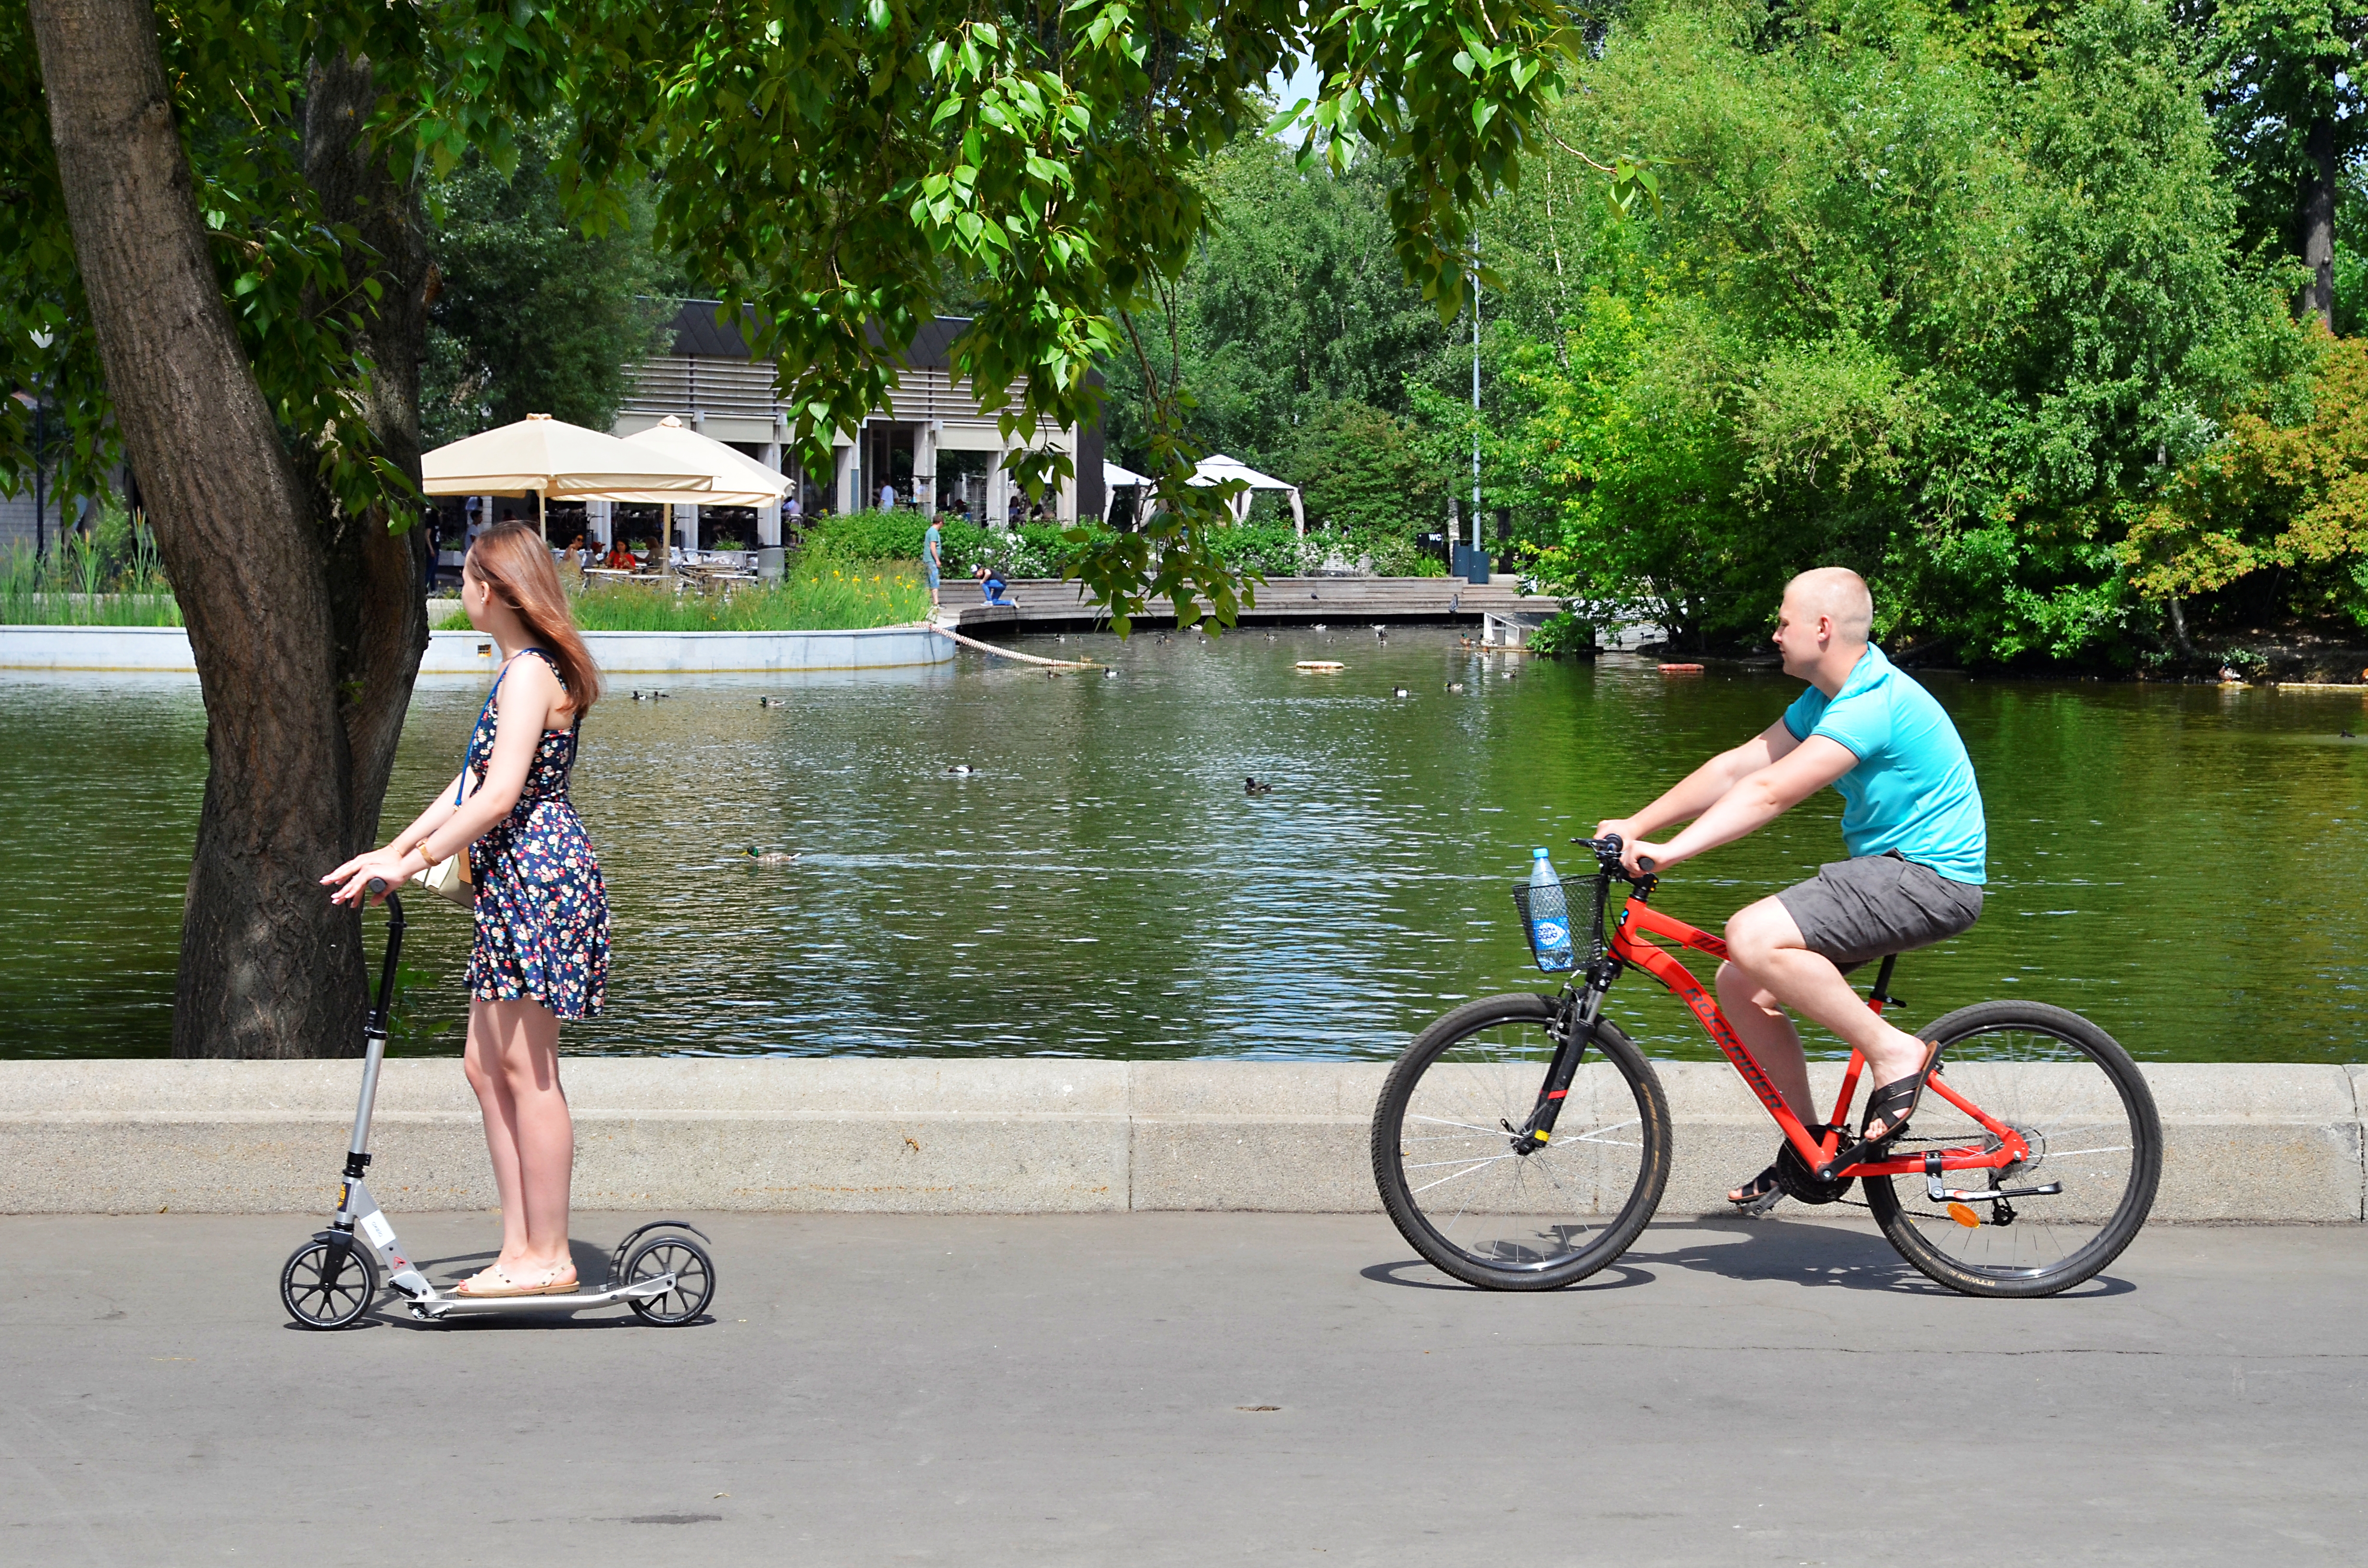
<point>1583,900</point>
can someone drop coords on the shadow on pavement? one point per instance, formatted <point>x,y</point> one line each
<point>1742,1249</point>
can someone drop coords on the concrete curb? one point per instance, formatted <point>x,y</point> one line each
<point>165,650</point>
<point>2244,1143</point>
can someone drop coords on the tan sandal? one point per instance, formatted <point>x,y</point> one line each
<point>493,1282</point>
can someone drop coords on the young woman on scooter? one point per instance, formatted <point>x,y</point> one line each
<point>541,948</point>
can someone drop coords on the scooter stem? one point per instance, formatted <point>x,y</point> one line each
<point>374,1035</point>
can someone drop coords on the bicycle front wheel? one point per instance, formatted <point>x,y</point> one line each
<point>2079,1101</point>
<point>1471,1196</point>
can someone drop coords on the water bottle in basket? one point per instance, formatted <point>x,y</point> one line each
<point>1548,911</point>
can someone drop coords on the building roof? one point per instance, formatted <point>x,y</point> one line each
<point>698,334</point>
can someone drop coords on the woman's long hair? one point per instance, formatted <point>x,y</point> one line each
<point>512,558</point>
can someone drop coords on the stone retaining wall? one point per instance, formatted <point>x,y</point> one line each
<point>165,650</point>
<point>993,1136</point>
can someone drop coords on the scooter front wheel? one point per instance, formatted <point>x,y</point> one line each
<point>328,1283</point>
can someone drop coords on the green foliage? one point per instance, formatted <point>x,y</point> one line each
<point>2285,499</point>
<point>533,316</point>
<point>1905,311</point>
<point>1034,549</point>
<point>1291,306</point>
<point>1362,473</point>
<point>1563,633</point>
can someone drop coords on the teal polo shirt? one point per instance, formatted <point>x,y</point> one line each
<point>1913,789</point>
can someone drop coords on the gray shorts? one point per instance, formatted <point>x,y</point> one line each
<point>1852,911</point>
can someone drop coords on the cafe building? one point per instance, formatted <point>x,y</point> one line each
<point>930,444</point>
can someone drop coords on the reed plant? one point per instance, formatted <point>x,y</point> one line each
<point>108,574</point>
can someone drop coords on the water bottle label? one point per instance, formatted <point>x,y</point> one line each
<point>1553,934</point>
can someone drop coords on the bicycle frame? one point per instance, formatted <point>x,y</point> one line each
<point>1627,946</point>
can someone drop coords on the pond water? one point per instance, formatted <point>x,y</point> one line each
<point>2180,863</point>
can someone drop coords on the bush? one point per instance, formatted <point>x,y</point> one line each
<point>1561,634</point>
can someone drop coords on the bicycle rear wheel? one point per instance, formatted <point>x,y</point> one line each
<point>2078,1099</point>
<point>1471,1196</point>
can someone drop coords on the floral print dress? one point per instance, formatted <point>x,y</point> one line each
<point>542,912</point>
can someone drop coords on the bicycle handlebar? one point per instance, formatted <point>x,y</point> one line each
<point>1607,855</point>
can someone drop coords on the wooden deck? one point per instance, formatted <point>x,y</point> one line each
<point>1051,604</point>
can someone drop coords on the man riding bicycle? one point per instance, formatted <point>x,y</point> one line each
<point>1912,821</point>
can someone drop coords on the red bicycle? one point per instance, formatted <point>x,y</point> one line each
<point>1512,1162</point>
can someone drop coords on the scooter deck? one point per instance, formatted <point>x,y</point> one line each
<point>438,1306</point>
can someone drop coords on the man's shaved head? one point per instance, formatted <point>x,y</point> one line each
<point>1836,592</point>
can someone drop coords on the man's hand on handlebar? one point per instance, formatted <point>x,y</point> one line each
<point>1637,857</point>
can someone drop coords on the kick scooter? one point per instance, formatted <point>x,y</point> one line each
<point>661,1270</point>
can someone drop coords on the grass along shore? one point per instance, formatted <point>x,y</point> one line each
<point>818,594</point>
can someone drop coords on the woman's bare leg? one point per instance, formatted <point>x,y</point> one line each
<point>527,1126</point>
<point>483,1062</point>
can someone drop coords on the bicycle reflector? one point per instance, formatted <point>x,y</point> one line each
<point>1964,1216</point>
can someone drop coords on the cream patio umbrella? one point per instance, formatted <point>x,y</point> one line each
<point>735,479</point>
<point>545,457</point>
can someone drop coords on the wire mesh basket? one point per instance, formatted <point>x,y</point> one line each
<point>1580,918</point>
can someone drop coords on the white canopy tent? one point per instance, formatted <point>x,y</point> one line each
<point>1219,469</point>
<point>549,458</point>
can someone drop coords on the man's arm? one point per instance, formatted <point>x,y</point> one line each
<point>1756,800</point>
<point>1705,786</point>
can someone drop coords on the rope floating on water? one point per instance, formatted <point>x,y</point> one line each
<point>1007,652</point>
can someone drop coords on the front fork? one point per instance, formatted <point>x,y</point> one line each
<point>1573,1030</point>
<point>359,1211</point>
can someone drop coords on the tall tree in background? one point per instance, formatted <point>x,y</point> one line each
<point>532,314</point>
<point>2289,109</point>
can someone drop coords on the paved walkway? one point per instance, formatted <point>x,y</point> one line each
<point>1188,1389</point>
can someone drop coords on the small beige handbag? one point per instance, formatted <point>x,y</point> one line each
<point>448,878</point>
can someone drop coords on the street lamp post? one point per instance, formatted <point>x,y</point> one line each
<point>1475,392</point>
<point>40,455</point>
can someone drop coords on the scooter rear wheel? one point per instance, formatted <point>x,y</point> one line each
<point>328,1284</point>
<point>671,1252</point>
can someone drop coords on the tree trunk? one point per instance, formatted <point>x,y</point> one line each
<point>293,613</point>
<point>2318,214</point>
<point>377,578</point>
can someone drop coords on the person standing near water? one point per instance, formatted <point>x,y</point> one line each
<point>541,948</point>
<point>933,551</point>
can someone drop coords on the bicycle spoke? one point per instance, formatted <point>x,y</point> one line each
<point>1443,1181</point>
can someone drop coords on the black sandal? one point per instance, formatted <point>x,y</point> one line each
<point>1891,1104</point>
<point>1760,1193</point>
